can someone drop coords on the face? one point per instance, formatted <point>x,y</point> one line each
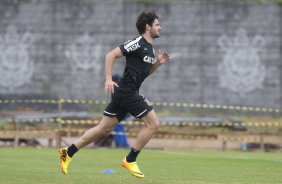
<point>155,30</point>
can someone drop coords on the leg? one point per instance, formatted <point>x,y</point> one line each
<point>102,129</point>
<point>146,133</point>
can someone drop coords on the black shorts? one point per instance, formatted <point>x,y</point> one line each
<point>133,103</point>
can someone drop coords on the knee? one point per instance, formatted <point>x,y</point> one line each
<point>104,130</point>
<point>154,125</point>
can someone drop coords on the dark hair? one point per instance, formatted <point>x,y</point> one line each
<point>145,17</point>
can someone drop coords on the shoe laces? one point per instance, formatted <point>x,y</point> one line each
<point>63,155</point>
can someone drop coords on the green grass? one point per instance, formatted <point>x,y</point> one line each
<point>41,165</point>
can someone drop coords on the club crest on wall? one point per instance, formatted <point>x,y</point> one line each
<point>16,68</point>
<point>241,70</point>
<point>84,54</point>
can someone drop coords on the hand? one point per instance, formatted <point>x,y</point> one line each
<point>163,57</point>
<point>110,86</point>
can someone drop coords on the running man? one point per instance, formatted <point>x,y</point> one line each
<point>141,62</point>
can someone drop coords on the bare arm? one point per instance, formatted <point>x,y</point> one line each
<point>154,67</point>
<point>110,60</point>
<point>162,58</point>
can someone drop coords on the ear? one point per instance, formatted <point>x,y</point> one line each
<point>148,27</point>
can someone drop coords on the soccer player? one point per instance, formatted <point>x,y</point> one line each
<point>141,61</point>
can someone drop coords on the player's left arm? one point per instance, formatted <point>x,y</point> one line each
<point>162,58</point>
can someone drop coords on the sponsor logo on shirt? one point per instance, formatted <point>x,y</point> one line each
<point>133,47</point>
<point>149,59</point>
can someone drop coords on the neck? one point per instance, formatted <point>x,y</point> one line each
<point>148,38</point>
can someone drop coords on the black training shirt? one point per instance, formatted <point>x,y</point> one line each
<point>140,57</point>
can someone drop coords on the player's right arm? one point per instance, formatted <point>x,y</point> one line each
<point>110,60</point>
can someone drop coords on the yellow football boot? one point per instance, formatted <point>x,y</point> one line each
<point>133,168</point>
<point>65,159</point>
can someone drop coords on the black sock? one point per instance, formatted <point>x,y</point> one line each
<point>72,150</point>
<point>131,157</point>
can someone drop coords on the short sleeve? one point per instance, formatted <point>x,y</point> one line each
<point>130,46</point>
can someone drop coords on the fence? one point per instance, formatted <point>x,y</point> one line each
<point>263,128</point>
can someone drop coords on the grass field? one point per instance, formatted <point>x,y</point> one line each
<point>41,166</point>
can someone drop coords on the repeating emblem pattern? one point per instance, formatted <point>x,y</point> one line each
<point>16,68</point>
<point>241,70</point>
<point>84,54</point>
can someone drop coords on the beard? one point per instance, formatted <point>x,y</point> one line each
<point>154,34</point>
